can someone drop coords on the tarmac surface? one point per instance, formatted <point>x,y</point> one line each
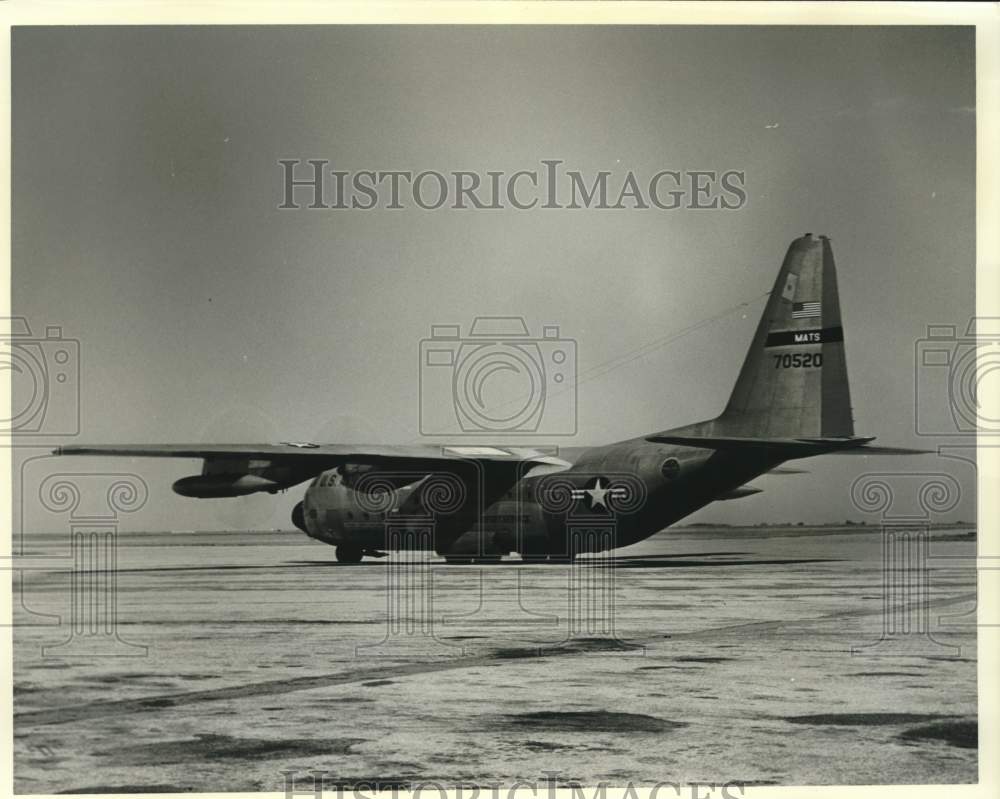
<point>240,661</point>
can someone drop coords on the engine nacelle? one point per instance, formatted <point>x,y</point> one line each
<point>212,486</point>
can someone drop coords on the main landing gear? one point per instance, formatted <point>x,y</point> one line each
<point>347,553</point>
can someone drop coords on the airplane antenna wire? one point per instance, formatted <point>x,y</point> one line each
<point>618,361</point>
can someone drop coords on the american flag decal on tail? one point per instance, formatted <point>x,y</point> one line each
<point>805,310</point>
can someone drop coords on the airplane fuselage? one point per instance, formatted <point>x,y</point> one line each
<point>611,497</point>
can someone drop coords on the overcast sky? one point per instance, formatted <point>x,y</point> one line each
<point>145,223</point>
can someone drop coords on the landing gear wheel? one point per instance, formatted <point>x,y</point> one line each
<point>349,554</point>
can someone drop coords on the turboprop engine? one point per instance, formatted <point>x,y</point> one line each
<point>210,486</point>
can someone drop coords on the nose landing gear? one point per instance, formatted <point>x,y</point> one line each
<point>349,554</point>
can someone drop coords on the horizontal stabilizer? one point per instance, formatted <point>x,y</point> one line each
<point>788,447</point>
<point>739,493</point>
<point>792,446</point>
<point>885,451</point>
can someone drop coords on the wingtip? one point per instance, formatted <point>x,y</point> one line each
<point>889,450</point>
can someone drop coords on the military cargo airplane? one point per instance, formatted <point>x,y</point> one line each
<point>479,503</point>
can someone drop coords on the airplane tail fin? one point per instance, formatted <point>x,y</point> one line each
<point>793,383</point>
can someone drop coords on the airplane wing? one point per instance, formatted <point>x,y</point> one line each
<point>356,453</point>
<point>237,469</point>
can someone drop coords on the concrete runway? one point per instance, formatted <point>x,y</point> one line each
<point>707,655</point>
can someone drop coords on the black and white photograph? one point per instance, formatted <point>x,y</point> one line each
<point>498,404</point>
